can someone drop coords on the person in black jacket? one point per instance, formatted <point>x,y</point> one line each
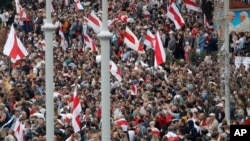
<point>193,132</point>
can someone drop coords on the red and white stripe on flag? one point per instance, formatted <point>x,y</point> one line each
<point>18,130</point>
<point>94,22</point>
<point>131,41</point>
<point>89,43</point>
<point>20,11</point>
<point>175,15</point>
<point>149,39</point>
<point>121,121</point>
<point>155,131</point>
<point>43,43</point>
<point>76,108</point>
<point>115,71</point>
<point>160,55</point>
<point>13,47</point>
<point>78,5</point>
<point>134,90</point>
<point>146,14</point>
<point>63,41</point>
<point>191,4</point>
<point>112,22</point>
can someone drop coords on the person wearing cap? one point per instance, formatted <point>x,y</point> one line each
<point>171,43</point>
<point>219,113</point>
<point>212,123</point>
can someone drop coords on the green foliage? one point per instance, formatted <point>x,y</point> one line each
<point>6,4</point>
<point>194,58</point>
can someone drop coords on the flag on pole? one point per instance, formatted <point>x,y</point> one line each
<point>78,5</point>
<point>122,122</point>
<point>191,4</point>
<point>94,22</point>
<point>77,109</point>
<point>63,41</point>
<point>160,55</point>
<point>134,89</point>
<point>149,39</point>
<point>20,10</point>
<point>115,71</point>
<point>206,24</point>
<point>112,22</point>
<point>131,41</point>
<point>175,15</point>
<point>90,43</point>
<point>13,47</point>
<point>18,130</point>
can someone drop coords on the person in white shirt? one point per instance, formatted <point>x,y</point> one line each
<point>243,26</point>
<point>231,16</point>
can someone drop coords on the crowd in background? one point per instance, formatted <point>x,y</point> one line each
<point>180,99</point>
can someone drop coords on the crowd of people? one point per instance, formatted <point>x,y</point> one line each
<point>180,100</point>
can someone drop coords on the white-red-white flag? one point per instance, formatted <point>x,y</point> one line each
<point>132,41</point>
<point>14,47</point>
<point>122,122</point>
<point>43,43</point>
<point>134,89</point>
<point>63,41</point>
<point>206,24</point>
<point>18,130</point>
<point>77,109</point>
<point>66,2</point>
<point>112,22</point>
<point>20,10</point>
<point>94,22</point>
<point>125,18</point>
<point>160,55</point>
<point>175,15</point>
<point>146,14</point>
<point>149,39</point>
<point>170,3</point>
<point>89,43</point>
<point>115,71</point>
<point>155,131</point>
<point>78,5</point>
<point>191,4</point>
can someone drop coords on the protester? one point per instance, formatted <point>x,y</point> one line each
<point>180,98</point>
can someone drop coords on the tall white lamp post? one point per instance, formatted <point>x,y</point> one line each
<point>104,37</point>
<point>48,29</point>
<point>227,59</point>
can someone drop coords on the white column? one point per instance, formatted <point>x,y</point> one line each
<point>104,37</point>
<point>49,29</point>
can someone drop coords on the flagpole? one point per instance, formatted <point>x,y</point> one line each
<point>48,29</point>
<point>104,37</point>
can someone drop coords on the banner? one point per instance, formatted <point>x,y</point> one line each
<point>240,60</point>
<point>239,20</point>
